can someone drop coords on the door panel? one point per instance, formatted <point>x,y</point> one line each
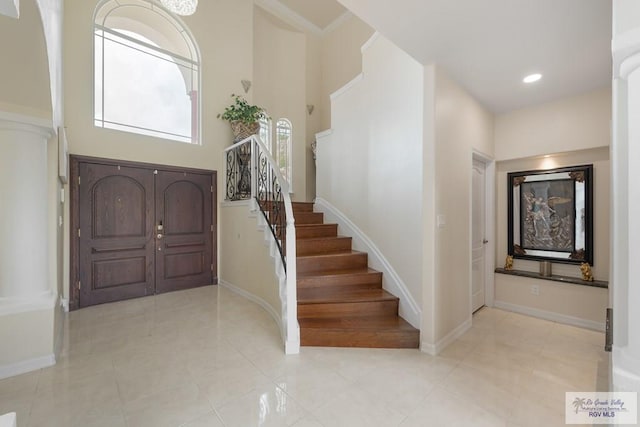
<point>183,230</point>
<point>116,223</point>
<point>478,236</point>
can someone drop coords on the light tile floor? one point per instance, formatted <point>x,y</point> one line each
<point>207,357</point>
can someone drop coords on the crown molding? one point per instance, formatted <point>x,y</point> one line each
<point>298,21</point>
<point>337,22</point>
<point>289,16</point>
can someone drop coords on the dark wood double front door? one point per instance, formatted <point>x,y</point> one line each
<point>142,230</point>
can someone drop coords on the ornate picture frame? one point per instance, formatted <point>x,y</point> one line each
<point>551,214</point>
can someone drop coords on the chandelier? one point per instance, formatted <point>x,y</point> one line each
<point>180,7</point>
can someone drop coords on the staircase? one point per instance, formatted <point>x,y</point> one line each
<point>341,302</point>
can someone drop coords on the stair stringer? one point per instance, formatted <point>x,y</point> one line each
<point>292,339</point>
<point>392,282</point>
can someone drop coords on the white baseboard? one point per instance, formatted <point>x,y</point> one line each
<point>25,366</point>
<point>290,346</point>
<point>58,338</point>
<point>624,380</point>
<point>550,315</point>
<point>64,303</point>
<point>8,420</point>
<point>435,349</point>
<point>251,297</point>
<point>409,309</point>
<point>625,370</point>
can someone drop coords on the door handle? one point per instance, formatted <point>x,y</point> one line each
<point>485,241</point>
<point>159,236</point>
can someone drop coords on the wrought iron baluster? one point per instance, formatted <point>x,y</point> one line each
<point>268,193</point>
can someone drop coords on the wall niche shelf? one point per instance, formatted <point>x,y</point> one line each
<point>554,278</point>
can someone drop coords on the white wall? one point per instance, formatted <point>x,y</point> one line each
<point>24,86</point>
<point>244,243</point>
<point>280,85</point>
<point>370,168</point>
<point>314,98</point>
<point>341,60</point>
<point>462,125</point>
<point>568,124</point>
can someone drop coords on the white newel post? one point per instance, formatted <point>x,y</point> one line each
<point>26,298</point>
<point>625,276</point>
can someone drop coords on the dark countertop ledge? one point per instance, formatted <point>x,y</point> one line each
<point>554,278</point>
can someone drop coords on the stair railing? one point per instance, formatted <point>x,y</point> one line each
<point>253,174</point>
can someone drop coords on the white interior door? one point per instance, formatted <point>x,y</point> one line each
<point>478,235</point>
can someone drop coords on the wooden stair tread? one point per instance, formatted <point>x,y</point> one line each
<point>321,238</point>
<point>316,230</point>
<point>338,260</point>
<point>303,218</point>
<point>331,255</point>
<point>314,245</point>
<point>324,224</point>
<point>378,323</point>
<point>331,273</point>
<point>302,206</point>
<point>365,277</point>
<point>342,295</point>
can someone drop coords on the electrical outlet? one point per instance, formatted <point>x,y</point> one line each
<point>535,290</point>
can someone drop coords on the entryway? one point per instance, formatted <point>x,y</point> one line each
<point>139,229</point>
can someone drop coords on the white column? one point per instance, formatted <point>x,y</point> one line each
<point>23,212</point>
<point>625,276</point>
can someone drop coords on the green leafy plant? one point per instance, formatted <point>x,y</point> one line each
<point>240,110</point>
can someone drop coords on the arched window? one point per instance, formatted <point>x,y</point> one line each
<point>146,75</point>
<point>284,142</point>
<point>265,131</point>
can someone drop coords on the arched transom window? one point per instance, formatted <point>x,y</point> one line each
<point>265,131</point>
<point>146,71</point>
<point>283,145</point>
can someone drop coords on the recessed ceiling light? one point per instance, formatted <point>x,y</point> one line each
<point>532,78</point>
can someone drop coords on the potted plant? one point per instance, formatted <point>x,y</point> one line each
<point>244,118</point>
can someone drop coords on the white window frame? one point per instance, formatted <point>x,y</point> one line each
<point>266,132</point>
<point>289,149</point>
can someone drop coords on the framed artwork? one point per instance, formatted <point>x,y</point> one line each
<point>551,214</point>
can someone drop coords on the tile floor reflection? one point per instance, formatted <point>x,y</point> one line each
<point>207,357</point>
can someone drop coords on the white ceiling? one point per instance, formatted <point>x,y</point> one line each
<point>488,46</point>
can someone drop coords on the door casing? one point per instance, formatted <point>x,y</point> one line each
<point>490,218</point>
